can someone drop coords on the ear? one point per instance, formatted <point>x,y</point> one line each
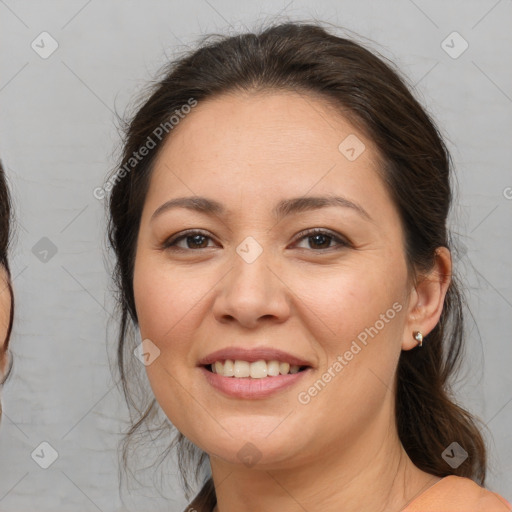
<point>427,299</point>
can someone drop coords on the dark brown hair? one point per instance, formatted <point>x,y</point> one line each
<point>5,233</point>
<point>415,165</point>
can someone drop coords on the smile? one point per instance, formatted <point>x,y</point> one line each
<point>248,387</point>
<point>255,370</point>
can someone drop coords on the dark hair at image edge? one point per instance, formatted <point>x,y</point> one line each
<point>5,233</point>
<point>415,166</point>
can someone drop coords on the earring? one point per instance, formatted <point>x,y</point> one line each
<point>418,337</point>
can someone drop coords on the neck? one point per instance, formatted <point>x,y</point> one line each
<point>374,473</point>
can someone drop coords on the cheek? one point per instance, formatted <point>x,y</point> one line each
<point>358,317</point>
<point>167,301</point>
<point>347,301</point>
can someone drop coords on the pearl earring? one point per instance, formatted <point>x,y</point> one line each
<point>418,337</point>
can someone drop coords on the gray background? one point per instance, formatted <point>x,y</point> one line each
<point>58,140</point>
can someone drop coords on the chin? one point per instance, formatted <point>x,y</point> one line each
<point>253,447</point>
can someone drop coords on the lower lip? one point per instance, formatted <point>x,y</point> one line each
<point>247,387</point>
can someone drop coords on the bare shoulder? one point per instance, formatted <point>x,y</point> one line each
<point>458,494</point>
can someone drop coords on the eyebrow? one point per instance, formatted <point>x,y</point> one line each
<point>283,209</point>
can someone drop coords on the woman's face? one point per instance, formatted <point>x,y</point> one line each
<point>250,280</point>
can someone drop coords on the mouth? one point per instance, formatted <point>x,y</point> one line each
<point>256,373</point>
<point>260,369</point>
<point>260,379</point>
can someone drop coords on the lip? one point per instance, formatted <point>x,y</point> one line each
<point>252,355</point>
<point>249,388</point>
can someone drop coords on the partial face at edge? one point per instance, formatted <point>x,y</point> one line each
<point>5,312</point>
<point>311,297</point>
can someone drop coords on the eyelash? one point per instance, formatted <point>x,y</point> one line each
<point>170,243</point>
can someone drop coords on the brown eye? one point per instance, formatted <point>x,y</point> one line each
<point>192,240</point>
<point>322,239</point>
<point>196,241</point>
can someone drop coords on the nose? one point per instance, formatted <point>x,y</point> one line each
<point>252,293</point>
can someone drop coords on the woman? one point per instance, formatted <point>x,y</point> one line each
<point>279,224</point>
<point>6,294</point>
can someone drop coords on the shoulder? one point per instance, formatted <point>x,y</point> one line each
<point>458,494</point>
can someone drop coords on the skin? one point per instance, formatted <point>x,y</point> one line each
<point>5,309</point>
<point>249,152</point>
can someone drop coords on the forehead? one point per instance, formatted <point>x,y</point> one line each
<point>270,126</point>
<point>263,145</point>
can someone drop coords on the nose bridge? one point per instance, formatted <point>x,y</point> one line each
<point>250,275</point>
<point>251,290</point>
<point>252,262</point>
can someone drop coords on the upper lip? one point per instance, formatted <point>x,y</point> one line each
<point>252,355</point>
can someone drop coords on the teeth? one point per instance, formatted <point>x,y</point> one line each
<point>273,368</point>
<point>257,370</point>
<point>284,368</point>
<point>229,368</point>
<point>241,368</point>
